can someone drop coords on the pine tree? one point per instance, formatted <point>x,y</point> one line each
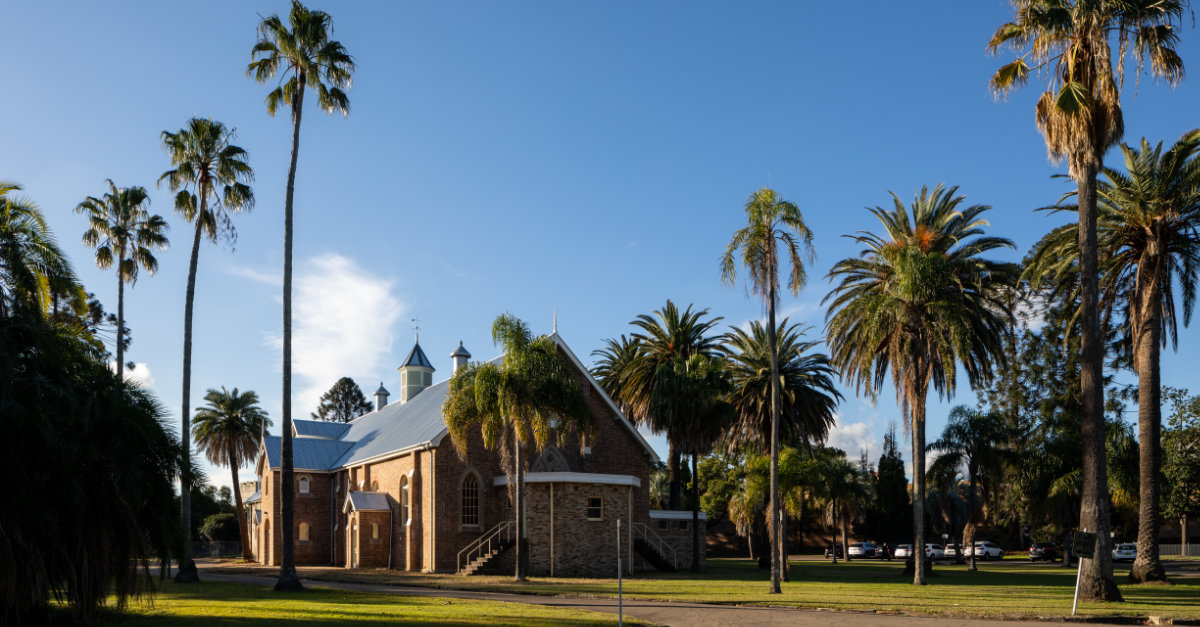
<point>343,402</point>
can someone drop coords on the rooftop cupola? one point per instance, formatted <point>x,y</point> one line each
<point>460,357</point>
<point>416,373</point>
<point>381,396</point>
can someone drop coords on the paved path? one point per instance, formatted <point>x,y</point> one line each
<point>658,612</point>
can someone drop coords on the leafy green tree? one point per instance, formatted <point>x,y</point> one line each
<point>838,484</point>
<point>304,57</point>
<point>1181,460</point>
<point>978,440</point>
<point>211,179</point>
<point>1079,113</point>
<point>917,301</point>
<point>343,402</point>
<point>229,429</point>
<point>892,510</point>
<point>774,225</point>
<point>532,394</point>
<point>124,234</point>
<point>221,528</point>
<point>31,263</point>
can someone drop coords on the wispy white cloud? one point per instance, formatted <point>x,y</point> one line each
<point>343,325</point>
<point>853,437</point>
<point>139,374</point>
<point>258,276</point>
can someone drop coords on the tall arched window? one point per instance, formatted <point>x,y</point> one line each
<point>304,532</point>
<point>404,499</point>
<point>470,500</point>
<point>303,485</point>
<point>374,531</point>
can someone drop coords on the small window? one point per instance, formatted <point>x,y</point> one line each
<point>662,525</point>
<point>404,499</point>
<point>304,532</point>
<point>683,525</point>
<point>470,501</point>
<point>374,531</point>
<point>374,486</point>
<point>595,508</point>
<point>303,485</point>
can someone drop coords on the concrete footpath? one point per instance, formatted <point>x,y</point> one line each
<point>658,612</point>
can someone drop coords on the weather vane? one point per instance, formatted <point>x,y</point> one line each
<point>416,327</point>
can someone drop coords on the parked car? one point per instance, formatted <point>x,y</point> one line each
<point>859,550</point>
<point>1123,553</point>
<point>935,551</point>
<point>903,550</point>
<point>986,550</point>
<point>951,551</point>
<point>1043,551</point>
<point>830,549</point>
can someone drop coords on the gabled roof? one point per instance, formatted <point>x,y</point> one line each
<point>416,357</point>
<point>307,453</point>
<point>319,429</point>
<point>254,498</point>
<point>397,426</point>
<point>366,502</point>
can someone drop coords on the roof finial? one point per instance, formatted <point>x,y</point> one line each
<point>556,319</point>
<point>416,328</point>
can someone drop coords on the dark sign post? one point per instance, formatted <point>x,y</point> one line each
<point>1083,544</point>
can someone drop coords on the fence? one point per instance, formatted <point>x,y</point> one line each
<point>1177,550</point>
<point>217,549</point>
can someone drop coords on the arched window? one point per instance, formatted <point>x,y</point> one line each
<point>303,485</point>
<point>470,500</point>
<point>304,532</point>
<point>374,486</point>
<point>404,499</point>
<point>374,531</point>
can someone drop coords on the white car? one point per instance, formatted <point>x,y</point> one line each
<point>903,550</point>
<point>951,550</point>
<point>935,551</point>
<point>986,550</point>
<point>1125,553</point>
<point>859,550</point>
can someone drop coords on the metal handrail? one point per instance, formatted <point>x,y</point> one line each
<point>656,542</point>
<point>502,532</point>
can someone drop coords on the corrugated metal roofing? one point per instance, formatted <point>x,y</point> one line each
<point>254,498</point>
<point>397,426</point>
<point>319,429</point>
<point>368,501</point>
<point>416,357</point>
<point>307,453</point>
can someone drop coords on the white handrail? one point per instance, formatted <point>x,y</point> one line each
<point>657,543</point>
<point>487,542</point>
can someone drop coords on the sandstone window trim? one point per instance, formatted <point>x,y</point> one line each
<point>595,508</point>
<point>305,485</point>
<point>375,532</point>
<point>405,513</point>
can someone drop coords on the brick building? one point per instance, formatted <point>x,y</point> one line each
<point>391,490</point>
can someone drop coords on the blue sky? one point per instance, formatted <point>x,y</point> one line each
<point>592,158</point>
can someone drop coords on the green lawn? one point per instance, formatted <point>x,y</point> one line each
<point>1013,590</point>
<point>211,603</point>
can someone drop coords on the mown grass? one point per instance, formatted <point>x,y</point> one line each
<point>1014,589</point>
<point>213,603</point>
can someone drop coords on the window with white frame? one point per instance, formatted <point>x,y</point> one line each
<point>470,501</point>
<point>304,485</point>
<point>595,508</point>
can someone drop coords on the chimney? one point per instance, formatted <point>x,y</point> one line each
<point>460,357</point>
<point>416,373</point>
<point>381,396</point>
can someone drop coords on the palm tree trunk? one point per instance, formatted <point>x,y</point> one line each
<point>288,579</point>
<point>916,405</point>
<point>120,321</point>
<point>785,567</point>
<point>833,543</point>
<point>187,573</point>
<point>240,507</point>
<point>519,510</point>
<point>674,473</point>
<point>1147,566</point>
<point>695,515</point>
<point>969,531</point>
<point>1096,578</point>
<point>776,540</point>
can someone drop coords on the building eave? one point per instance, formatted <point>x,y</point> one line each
<point>573,477</point>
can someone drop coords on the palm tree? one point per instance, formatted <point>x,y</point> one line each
<point>124,234</point>
<point>518,401</point>
<point>772,223</point>
<point>611,364</point>
<point>915,302</point>
<point>837,483</point>
<point>1148,232</point>
<point>305,58</point>
<point>1079,114</point>
<point>229,429</point>
<point>667,335</point>
<point>977,440</point>
<point>211,179</point>
<point>31,264</point>
<point>807,394</point>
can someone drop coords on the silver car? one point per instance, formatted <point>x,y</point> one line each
<point>1125,553</point>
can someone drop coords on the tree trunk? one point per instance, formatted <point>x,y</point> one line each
<point>186,574</point>
<point>916,405</point>
<point>120,320</point>
<point>776,543</point>
<point>519,511</point>
<point>833,543</point>
<point>695,515</point>
<point>1096,576</point>
<point>1183,537</point>
<point>288,579</point>
<point>1147,337</point>
<point>675,476</point>
<point>845,538</point>
<point>968,539</point>
<point>243,528</point>
<point>786,568</point>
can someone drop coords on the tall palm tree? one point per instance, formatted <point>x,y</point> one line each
<point>611,363</point>
<point>916,301</point>
<point>229,429</point>
<point>667,335</point>
<point>211,179</point>
<point>124,234</point>
<point>978,440</point>
<point>1079,114</point>
<point>1148,235</point>
<point>533,392</point>
<point>305,58</point>
<point>808,397</point>
<point>774,225</point>
<point>31,264</point>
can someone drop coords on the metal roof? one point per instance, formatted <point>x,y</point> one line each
<point>254,498</point>
<point>460,351</point>
<point>416,357</point>
<point>307,453</point>
<point>366,502</point>
<point>382,390</point>
<point>319,429</point>
<point>397,426</point>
